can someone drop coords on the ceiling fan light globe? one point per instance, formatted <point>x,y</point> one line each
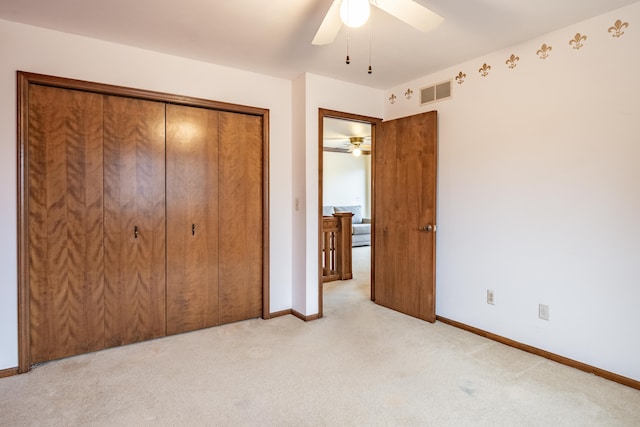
<point>354,13</point>
<point>356,152</point>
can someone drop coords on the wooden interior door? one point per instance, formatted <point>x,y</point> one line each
<point>66,275</point>
<point>192,218</point>
<point>405,215</point>
<point>241,219</point>
<point>134,205</point>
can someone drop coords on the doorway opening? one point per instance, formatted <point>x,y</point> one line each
<point>346,146</point>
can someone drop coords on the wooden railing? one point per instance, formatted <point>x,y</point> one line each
<point>336,247</point>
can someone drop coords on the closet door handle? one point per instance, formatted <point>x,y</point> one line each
<point>428,228</point>
<point>193,229</point>
<point>135,231</point>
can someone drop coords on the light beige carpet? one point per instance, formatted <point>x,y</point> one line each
<point>361,365</point>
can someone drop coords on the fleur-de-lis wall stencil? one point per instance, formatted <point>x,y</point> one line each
<point>617,28</point>
<point>408,94</point>
<point>577,40</point>
<point>544,50</point>
<point>460,77</point>
<point>392,98</point>
<point>484,70</point>
<point>512,62</point>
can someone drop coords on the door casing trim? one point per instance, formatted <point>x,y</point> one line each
<point>373,121</point>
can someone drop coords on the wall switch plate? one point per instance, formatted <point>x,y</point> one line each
<point>543,311</point>
<point>490,297</point>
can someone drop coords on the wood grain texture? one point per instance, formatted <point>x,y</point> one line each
<point>280,313</point>
<point>266,218</point>
<point>119,317</point>
<point>241,208</point>
<point>135,93</point>
<point>65,220</point>
<point>405,185</point>
<point>4,373</point>
<point>134,171</point>
<point>24,314</point>
<point>192,218</point>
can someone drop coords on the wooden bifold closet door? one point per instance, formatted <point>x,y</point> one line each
<point>240,198</point>
<point>66,258</point>
<point>96,215</point>
<point>142,218</point>
<point>192,218</point>
<point>134,207</point>
<point>214,217</point>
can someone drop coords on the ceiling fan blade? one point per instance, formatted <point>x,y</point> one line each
<point>330,26</point>
<point>418,16</point>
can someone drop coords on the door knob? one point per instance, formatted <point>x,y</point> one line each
<point>427,228</point>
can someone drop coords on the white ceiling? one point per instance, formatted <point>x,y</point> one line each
<point>343,129</point>
<point>274,36</point>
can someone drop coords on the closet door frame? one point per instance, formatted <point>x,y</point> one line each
<point>24,81</point>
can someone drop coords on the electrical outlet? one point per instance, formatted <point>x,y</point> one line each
<point>543,311</point>
<point>490,297</point>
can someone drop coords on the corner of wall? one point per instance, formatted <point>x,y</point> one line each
<point>298,120</point>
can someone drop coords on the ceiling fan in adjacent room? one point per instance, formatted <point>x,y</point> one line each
<point>355,13</point>
<point>356,145</point>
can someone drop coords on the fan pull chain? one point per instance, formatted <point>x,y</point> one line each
<point>370,19</point>
<point>348,61</point>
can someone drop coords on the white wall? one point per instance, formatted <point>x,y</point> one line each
<point>299,291</point>
<point>320,92</point>
<point>33,49</point>
<point>344,180</point>
<point>539,193</point>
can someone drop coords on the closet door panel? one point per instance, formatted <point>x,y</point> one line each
<point>192,218</point>
<point>240,207</point>
<point>134,155</point>
<point>66,276</point>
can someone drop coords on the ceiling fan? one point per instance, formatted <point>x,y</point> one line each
<point>355,145</point>
<point>346,11</point>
